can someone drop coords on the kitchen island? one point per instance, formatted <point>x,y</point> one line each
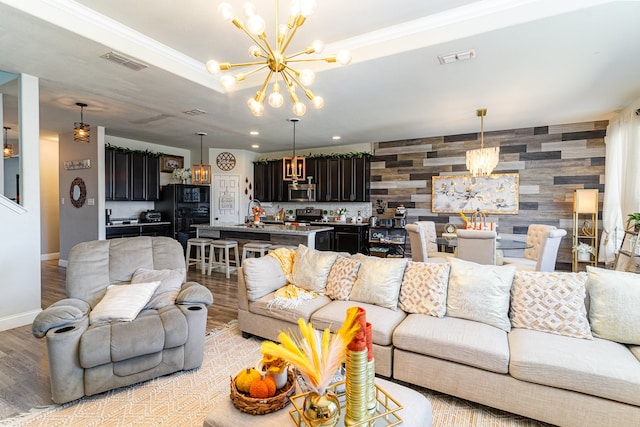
<point>315,237</point>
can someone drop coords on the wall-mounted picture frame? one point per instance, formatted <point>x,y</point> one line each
<point>169,163</point>
<point>77,164</point>
<point>493,194</point>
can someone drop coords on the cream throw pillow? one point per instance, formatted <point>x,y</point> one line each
<point>378,281</point>
<point>342,277</point>
<point>614,312</point>
<point>170,285</point>
<point>311,269</point>
<point>424,288</point>
<point>480,292</point>
<point>550,302</point>
<point>122,302</point>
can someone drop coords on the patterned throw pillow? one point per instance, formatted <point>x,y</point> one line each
<point>341,278</point>
<point>550,302</point>
<point>424,288</point>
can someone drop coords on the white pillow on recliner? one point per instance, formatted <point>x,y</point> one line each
<point>122,302</point>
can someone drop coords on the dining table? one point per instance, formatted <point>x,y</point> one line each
<point>503,244</point>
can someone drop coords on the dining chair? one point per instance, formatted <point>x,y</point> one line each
<point>477,246</point>
<point>541,256</point>
<point>418,241</point>
<point>430,235</point>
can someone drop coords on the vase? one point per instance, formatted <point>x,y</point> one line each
<point>321,410</point>
<point>584,256</point>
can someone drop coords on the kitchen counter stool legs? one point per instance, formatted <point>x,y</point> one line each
<point>200,245</point>
<point>222,258</point>
<point>255,249</point>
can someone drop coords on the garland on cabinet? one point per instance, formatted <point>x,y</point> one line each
<point>132,151</point>
<point>350,155</point>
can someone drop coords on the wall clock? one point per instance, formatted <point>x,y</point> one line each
<point>226,161</point>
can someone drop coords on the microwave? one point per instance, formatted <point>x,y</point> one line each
<point>302,192</point>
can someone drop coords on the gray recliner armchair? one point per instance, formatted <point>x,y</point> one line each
<point>88,355</point>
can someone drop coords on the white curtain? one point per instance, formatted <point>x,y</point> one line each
<point>622,179</point>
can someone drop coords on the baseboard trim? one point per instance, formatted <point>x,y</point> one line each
<point>47,257</point>
<point>17,320</point>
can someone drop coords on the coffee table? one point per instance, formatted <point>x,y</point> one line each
<point>415,412</point>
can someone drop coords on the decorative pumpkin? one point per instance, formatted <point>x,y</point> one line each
<point>245,378</point>
<point>262,388</point>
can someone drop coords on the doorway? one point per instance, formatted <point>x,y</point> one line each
<point>225,198</point>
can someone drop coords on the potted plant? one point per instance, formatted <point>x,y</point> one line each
<point>633,218</point>
<point>584,251</point>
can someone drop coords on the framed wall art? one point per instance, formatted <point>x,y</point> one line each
<point>493,194</point>
<point>169,163</point>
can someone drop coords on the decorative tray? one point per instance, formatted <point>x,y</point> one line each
<point>385,414</point>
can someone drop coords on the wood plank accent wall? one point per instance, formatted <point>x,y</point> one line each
<point>552,162</point>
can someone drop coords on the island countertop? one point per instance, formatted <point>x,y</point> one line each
<point>267,228</point>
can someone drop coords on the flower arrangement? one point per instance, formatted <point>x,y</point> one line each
<point>342,211</point>
<point>181,174</point>
<point>257,210</point>
<point>583,248</point>
<point>316,355</point>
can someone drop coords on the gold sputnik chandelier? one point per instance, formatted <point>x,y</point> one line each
<point>482,161</point>
<point>273,57</point>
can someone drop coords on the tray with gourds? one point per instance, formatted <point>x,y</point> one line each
<point>263,389</point>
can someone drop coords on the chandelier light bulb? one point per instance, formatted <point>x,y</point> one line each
<point>254,51</point>
<point>256,25</point>
<point>318,46</point>
<point>343,57</point>
<point>255,107</point>
<point>307,7</point>
<point>299,109</point>
<point>317,102</point>
<point>249,9</point>
<point>226,11</point>
<point>228,82</point>
<point>307,77</point>
<point>282,30</point>
<point>276,99</point>
<point>294,10</point>
<point>213,66</point>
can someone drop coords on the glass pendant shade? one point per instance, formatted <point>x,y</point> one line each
<point>81,130</point>
<point>482,161</point>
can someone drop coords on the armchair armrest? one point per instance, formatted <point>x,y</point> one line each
<point>62,313</point>
<point>194,293</point>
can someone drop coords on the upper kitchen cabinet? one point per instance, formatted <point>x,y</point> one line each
<point>328,180</point>
<point>268,185</point>
<point>355,172</point>
<point>131,176</point>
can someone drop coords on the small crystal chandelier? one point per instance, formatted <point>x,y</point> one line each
<point>201,174</point>
<point>482,161</point>
<point>274,58</point>
<point>293,168</point>
<point>7,150</point>
<point>81,132</point>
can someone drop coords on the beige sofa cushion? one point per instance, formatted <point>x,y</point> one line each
<point>311,269</point>
<point>262,276</point>
<point>379,281</point>
<point>383,320</point>
<point>480,292</point>
<point>457,340</point>
<point>614,311</point>
<point>290,314</point>
<point>597,367</point>
<point>550,302</point>
<point>424,288</point>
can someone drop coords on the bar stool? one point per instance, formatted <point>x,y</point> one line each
<point>274,247</point>
<point>255,249</point>
<point>223,259</point>
<point>201,245</point>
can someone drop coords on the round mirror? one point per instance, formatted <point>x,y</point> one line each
<point>78,192</point>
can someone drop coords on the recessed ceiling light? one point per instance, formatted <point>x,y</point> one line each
<point>254,132</point>
<point>336,137</point>
<point>255,146</point>
<point>458,56</point>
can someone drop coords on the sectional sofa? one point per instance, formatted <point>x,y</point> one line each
<point>559,347</point>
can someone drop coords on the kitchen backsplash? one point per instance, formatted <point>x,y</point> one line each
<point>352,207</point>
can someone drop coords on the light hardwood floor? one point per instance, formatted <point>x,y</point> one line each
<point>24,371</point>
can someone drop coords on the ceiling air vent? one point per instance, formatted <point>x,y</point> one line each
<point>458,56</point>
<point>119,58</point>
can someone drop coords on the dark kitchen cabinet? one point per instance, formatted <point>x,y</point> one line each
<point>327,170</point>
<point>354,173</point>
<point>349,238</point>
<point>144,177</point>
<point>268,185</point>
<point>117,169</point>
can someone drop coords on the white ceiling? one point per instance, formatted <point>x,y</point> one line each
<point>538,62</point>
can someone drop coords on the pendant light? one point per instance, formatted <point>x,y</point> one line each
<point>7,150</point>
<point>81,131</point>
<point>201,174</point>
<point>293,168</point>
<point>482,161</point>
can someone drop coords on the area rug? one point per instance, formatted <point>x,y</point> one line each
<point>184,399</point>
